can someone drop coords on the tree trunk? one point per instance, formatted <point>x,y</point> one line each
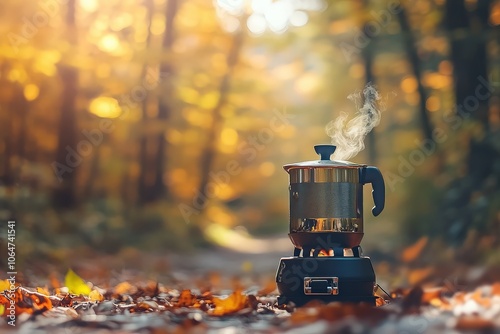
<point>468,36</point>
<point>468,39</point>
<point>93,173</point>
<point>64,195</point>
<point>144,180</point>
<point>411,51</point>
<point>153,150</point>
<point>468,31</point>
<point>210,150</point>
<point>7,177</point>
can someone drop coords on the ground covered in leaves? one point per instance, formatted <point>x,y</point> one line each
<point>74,305</point>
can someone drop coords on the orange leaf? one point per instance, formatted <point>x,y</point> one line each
<point>186,299</point>
<point>304,315</point>
<point>234,303</point>
<point>412,252</point>
<point>54,281</point>
<point>26,301</point>
<point>480,299</point>
<point>431,294</point>
<point>495,288</point>
<point>125,287</point>
<point>474,323</point>
<point>418,275</point>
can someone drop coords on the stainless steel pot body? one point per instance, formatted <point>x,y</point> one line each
<point>326,199</point>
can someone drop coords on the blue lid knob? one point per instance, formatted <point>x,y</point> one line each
<point>325,151</point>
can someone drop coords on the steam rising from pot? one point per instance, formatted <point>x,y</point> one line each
<point>349,136</point>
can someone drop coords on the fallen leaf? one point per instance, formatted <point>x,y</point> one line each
<point>186,299</point>
<point>315,311</point>
<point>495,288</point>
<point>431,294</point>
<point>233,303</point>
<point>95,295</point>
<point>4,285</point>
<point>125,288</point>
<point>304,315</point>
<point>147,305</point>
<point>413,300</point>
<point>412,252</point>
<point>43,291</point>
<point>417,276</point>
<point>70,312</point>
<point>380,302</point>
<point>26,301</point>
<point>480,299</point>
<point>54,282</point>
<point>474,322</point>
<point>76,284</point>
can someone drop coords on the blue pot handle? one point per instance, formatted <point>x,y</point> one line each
<point>372,175</point>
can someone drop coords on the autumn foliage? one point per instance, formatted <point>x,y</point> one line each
<point>473,310</point>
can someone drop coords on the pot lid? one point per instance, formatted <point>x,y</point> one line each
<point>325,151</point>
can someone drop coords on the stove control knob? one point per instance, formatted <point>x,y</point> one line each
<point>321,285</point>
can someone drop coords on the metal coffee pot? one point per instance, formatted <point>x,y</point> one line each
<point>326,201</point>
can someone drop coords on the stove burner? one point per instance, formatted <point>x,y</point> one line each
<point>330,252</point>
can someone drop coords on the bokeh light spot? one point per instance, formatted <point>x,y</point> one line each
<point>267,168</point>
<point>432,104</point>
<point>109,43</point>
<point>106,107</point>
<point>89,5</point>
<point>277,16</point>
<point>31,92</point>
<point>445,67</point>
<point>229,137</point>
<point>158,24</point>
<point>256,23</point>
<point>409,84</point>
<point>299,18</point>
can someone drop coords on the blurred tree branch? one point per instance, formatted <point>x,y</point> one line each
<point>153,148</point>
<point>210,151</point>
<point>64,195</point>
<point>411,51</point>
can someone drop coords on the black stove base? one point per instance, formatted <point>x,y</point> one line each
<point>301,301</point>
<point>328,279</point>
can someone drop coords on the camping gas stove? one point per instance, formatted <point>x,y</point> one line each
<point>326,228</point>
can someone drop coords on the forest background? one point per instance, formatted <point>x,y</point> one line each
<point>160,126</point>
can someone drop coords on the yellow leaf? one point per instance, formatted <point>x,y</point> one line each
<point>2,309</point>
<point>76,284</point>
<point>96,296</point>
<point>43,291</point>
<point>4,285</point>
